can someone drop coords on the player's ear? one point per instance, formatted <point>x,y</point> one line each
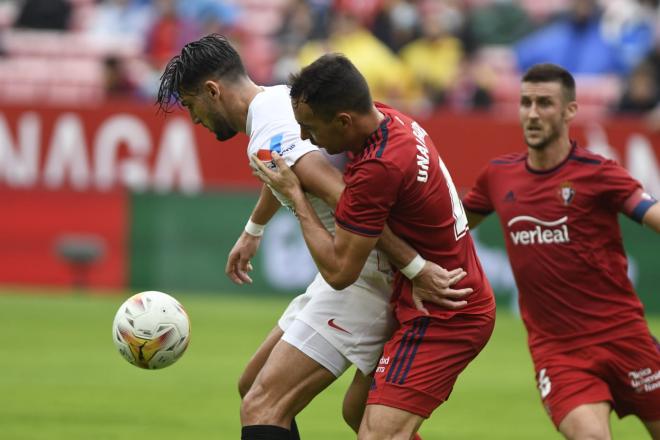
<point>343,120</point>
<point>570,111</point>
<point>212,89</point>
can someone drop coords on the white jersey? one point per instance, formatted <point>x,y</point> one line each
<point>272,126</point>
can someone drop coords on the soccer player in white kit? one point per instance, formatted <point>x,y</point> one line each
<point>323,331</point>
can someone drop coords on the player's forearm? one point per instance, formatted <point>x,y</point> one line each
<point>266,207</point>
<point>651,218</point>
<point>398,251</point>
<point>321,245</point>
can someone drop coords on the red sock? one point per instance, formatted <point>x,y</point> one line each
<point>417,437</point>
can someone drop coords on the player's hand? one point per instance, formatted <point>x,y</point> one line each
<point>434,283</point>
<point>238,261</point>
<point>282,180</point>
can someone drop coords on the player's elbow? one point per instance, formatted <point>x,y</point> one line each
<point>341,279</point>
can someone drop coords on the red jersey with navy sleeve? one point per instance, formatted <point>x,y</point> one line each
<point>564,243</point>
<point>399,179</point>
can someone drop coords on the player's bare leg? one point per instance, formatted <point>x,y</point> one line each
<point>355,400</point>
<point>653,428</point>
<point>258,360</point>
<point>385,423</point>
<point>285,385</point>
<point>590,421</point>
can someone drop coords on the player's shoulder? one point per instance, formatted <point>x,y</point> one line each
<point>271,103</point>
<point>395,133</point>
<point>508,161</point>
<point>587,157</point>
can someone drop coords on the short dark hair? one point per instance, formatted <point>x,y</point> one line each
<point>552,73</point>
<point>331,84</point>
<point>212,55</point>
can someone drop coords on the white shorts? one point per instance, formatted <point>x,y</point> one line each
<point>315,346</point>
<point>356,321</point>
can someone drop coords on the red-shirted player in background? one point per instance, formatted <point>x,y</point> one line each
<point>558,206</point>
<point>397,178</point>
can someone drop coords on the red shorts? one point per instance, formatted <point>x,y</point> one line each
<point>624,372</point>
<point>423,359</point>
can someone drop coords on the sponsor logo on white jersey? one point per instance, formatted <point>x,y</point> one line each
<point>541,232</point>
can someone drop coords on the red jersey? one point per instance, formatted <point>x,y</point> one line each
<point>399,179</point>
<point>564,243</point>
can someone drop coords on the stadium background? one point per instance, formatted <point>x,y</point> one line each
<point>102,197</point>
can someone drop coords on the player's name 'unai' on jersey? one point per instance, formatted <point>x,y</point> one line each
<point>399,179</point>
<point>564,243</point>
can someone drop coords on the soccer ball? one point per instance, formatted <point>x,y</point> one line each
<point>151,330</point>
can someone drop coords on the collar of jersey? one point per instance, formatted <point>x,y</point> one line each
<point>377,135</point>
<point>556,167</point>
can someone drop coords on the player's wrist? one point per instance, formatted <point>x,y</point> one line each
<point>413,268</point>
<point>254,229</point>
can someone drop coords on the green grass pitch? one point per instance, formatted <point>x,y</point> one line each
<point>61,378</point>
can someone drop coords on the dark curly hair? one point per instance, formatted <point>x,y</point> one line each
<point>331,84</point>
<point>210,56</point>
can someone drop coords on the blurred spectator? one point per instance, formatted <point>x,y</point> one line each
<point>573,41</point>
<point>44,14</point>
<point>629,27</point>
<point>396,24</point>
<point>434,58</point>
<point>121,18</point>
<point>212,16</point>
<point>642,93</point>
<point>168,34</point>
<point>501,22</point>
<point>389,79</point>
<point>364,11</point>
<point>116,80</point>
<point>321,12</point>
<point>297,27</point>
<point>473,88</point>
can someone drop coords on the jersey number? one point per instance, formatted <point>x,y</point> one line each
<point>460,219</point>
<point>544,384</point>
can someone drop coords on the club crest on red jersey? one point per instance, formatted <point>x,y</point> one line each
<point>566,193</point>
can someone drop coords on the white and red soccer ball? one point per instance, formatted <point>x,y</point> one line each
<point>151,330</point>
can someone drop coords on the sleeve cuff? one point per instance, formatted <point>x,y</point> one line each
<point>367,232</point>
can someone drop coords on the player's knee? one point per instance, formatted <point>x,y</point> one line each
<point>588,432</point>
<point>252,406</point>
<point>259,406</point>
<point>373,429</point>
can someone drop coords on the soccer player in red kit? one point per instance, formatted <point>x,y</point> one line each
<point>396,178</point>
<point>557,205</point>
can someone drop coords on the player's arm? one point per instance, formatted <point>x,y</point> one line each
<point>317,176</point>
<point>628,196</point>
<point>652,217</point>
<point>340,258</point>
<point>477,203</point>
<point>238,262</point>
<point>430,281</point>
